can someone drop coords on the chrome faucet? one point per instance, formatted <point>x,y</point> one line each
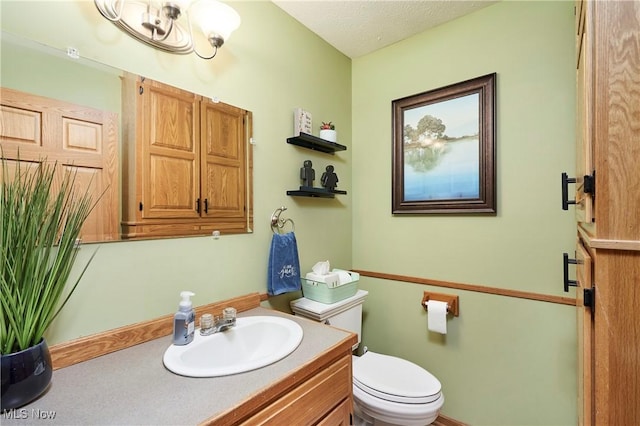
<point>210,324</point>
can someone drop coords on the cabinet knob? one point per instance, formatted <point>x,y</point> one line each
<point>565,263</point>
<point>566,180</point>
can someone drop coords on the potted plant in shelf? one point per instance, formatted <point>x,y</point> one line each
<point>328,132</point>
<point>41,214</point>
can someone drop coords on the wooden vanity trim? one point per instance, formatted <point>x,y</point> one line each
<point>471,287</point>
<point>599,243</point>
<point>267,396</point>
<point>447,421</point>
<point>95,345</point>
<point>311,400</point>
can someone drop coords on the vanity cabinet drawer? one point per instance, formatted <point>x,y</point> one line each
<point>323,399</point>
<point>340,416</point>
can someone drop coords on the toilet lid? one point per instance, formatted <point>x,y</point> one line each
<point>394,379</point>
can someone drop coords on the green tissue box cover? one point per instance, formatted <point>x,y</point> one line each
<point>321,292</point>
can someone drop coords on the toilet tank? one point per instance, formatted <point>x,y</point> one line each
<point>345,314</point>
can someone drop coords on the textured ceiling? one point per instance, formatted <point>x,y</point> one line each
<point>357,27</point>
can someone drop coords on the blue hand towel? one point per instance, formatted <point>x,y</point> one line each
<point>284,265</point>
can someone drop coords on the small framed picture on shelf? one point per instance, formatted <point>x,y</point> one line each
<point>302,122</point>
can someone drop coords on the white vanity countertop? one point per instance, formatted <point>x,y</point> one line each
<point>132,386</point>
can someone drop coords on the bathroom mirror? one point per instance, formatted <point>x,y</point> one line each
<point>33,68</point>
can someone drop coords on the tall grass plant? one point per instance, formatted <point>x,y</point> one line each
<point>40,223</point>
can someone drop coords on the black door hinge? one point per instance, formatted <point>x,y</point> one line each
<point>589,297</point>
<point>140,206</point>
<point>590,184</point>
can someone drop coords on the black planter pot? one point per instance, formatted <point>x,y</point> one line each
<point>25,375</point>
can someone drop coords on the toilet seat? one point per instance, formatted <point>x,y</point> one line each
<point>395,413</point>
<point>395,379</point>
<point>395,391</point>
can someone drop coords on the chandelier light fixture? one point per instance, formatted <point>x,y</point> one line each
<point>158,23</point>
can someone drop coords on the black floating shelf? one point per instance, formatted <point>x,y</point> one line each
<point>306,140</point>
<point>316,192</point>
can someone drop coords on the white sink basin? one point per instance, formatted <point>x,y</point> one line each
<point>254,342</point>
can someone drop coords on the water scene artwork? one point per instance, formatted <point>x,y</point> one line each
<point>444,149</point>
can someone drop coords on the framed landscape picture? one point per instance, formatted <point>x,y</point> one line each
<point>444,150</point>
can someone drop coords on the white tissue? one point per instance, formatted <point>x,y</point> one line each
<point>343,276</point>
<point>333,279</point>
<point>437,316</point>
<point>321,268</point>
<point>330,279</point>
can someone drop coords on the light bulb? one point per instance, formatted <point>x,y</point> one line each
<point>215,19</point>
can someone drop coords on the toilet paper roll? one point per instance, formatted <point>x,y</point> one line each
<point>437,316</point>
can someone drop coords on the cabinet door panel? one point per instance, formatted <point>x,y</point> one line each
<point>223,128</point>
<point>312,400</point>
<point>584,146</point>
<point>170,183</point>
<point>223,161</point>
<point>172,189</point>
<point>584,273</point>
<point>617,337</point>
<point>616,118</point>
<point>172,120</point>
<point>340,416</point>
<point>225,199</point>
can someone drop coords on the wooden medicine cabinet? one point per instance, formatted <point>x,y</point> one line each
<point>186,162</point>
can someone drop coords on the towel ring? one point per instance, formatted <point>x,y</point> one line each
<point>278,223</point>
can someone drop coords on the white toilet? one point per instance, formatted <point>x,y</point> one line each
<point>386,390</point>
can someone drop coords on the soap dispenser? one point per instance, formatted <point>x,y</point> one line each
<point>184,324</point>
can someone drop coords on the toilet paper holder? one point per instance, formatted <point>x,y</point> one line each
<point>450,299</point>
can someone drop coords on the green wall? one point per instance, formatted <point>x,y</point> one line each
<point>270,66</point>
<point>504,360</point>
<point>32,68</point>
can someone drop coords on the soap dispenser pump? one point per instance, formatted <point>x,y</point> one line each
<point>184,321</point>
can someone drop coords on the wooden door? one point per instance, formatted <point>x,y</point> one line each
<point>584,321</point>
<point>584,98</point>
<point>170,152</point>
<point>81,140</point>
<point>617,337</point>
<point>616,117</point>
<point>615,101</point>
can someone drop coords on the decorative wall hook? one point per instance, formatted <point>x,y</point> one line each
<point>278,223</point>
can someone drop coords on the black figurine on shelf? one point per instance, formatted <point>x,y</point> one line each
<point>307,174</point>
<point>329,179</point>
